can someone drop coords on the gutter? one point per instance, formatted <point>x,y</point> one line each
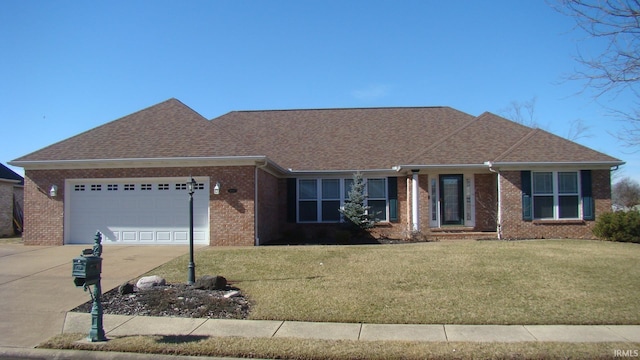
<point>336,172</point>
<point>580,164</point>
<point>513,165</point>
<point>399,168</point>
<point>138,162</point>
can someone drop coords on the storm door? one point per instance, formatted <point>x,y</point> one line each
<point>451,200</point>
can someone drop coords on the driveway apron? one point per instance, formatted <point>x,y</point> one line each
<point>36,286</point>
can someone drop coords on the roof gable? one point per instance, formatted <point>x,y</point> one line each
<point>541,146</point>
<point>482,139</point>
<point>168,129</point>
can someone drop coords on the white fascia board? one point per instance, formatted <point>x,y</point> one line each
<point>141,162</point>
<point>312,173</point>
<point>512,165</point>
<point>602,165</point>
<point>409,168</point>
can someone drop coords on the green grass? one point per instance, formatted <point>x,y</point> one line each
<point>339,350</point>
<point>487,282</point>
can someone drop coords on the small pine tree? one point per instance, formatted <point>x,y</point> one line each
<point>354,209</point>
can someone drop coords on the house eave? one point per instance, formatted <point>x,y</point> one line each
<point>143,162</point>
<point>438,167</point>
<point>350,172</point>
<point>603,165</point>
<point>11,181</point>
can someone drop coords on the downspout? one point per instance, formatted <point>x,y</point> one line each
<point>255,203</point>
<point>408,220</point>
<point>499,222</point>
<point>415,213</point>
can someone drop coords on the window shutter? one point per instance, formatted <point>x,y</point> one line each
<point>291,200</point>
<point>527,212</point>
<point>588,212</point>
<point>392,183</point>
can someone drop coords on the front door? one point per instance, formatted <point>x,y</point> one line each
<point>451,200</point>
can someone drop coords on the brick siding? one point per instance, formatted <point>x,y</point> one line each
<point>268,207</point>
<point>486,190</point>
<point>513,227</point>
<point>231,218</point>
<point>232,213</point>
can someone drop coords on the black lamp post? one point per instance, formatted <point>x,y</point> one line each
<point>192,266</point>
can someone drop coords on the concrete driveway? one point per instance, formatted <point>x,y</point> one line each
<point>36,287</point>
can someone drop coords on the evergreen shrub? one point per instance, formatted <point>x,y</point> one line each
<point>622,226</point>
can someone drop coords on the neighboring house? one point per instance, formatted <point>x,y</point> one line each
<point>11,201</point>
<point>265,175</point>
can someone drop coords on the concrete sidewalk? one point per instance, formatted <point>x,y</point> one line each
<point>120,325</point>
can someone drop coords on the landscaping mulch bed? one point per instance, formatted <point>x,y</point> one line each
<point>178,300</point>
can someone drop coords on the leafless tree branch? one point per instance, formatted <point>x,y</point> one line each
<point>617,68</point>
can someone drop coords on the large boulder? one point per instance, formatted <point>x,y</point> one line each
<point>148,282</point>
<point>209,282</point>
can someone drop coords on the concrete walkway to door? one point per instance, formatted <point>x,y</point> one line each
<point>37,290</point>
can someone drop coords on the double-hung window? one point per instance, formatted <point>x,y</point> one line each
<point>556,195</point>
<point>330,200</point>
<point>377,198</point>
<point>319,200</point>
<point>308,200</point>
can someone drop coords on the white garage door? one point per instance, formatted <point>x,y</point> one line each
<point>135,211</point>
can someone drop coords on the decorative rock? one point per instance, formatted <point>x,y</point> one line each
<point>126,288</point>
<point>209,282</point>
<point>147,282</point>
<point>232,293</point>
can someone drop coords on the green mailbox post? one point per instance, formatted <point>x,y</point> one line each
<point>86,272</point>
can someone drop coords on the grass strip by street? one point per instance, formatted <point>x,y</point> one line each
<point>573,282</point>
<point>338,350</point>
<point>11,240</point>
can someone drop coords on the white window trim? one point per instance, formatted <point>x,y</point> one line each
<point>343,197</point>
<point>556,194</point>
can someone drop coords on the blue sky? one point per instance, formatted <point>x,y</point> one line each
<point>68,66</point>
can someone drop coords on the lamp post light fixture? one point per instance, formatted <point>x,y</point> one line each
<point>192,266</point>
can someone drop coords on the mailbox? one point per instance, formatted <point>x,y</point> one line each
<point>86,270</point>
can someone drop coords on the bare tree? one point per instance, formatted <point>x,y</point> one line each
<point>578,130</point>
<point>525,113</point>
<point>617,68</point>
<point>522,112</point>
<point>626,193</point>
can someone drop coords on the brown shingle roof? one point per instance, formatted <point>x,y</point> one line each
<point>323,139</point>
<point>542,146</point>
<point>168,129</point>
<point>342,139</point>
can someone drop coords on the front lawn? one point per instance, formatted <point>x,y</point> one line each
<point>470,282</point>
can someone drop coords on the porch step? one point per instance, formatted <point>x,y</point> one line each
<point>454,234</point>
